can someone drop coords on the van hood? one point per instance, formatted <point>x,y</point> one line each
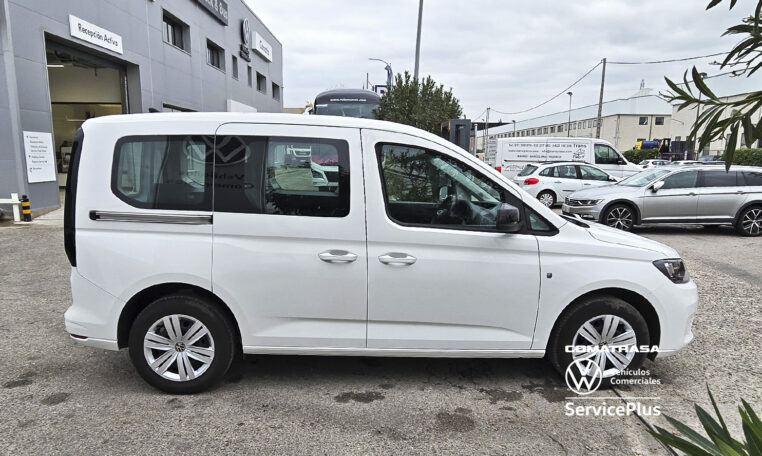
<point>610,235</point>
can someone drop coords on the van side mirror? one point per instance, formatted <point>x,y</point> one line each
<point>657,186</point>
<point>508,219</point>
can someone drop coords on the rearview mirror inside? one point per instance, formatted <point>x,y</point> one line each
<point>508,218</point>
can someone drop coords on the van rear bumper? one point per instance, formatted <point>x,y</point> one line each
<point>93,316</point>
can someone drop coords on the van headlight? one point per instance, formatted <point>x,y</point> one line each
<point>674,269</point>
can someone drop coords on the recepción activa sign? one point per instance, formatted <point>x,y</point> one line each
<point>93,34</point>
<point>262,47</point>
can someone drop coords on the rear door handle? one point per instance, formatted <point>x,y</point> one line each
<point>691,194</point>
<point>337,256</point>
<point>397,258</point>
<point>586,183</point>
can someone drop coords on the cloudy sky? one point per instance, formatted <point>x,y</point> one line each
<point>509,55</point>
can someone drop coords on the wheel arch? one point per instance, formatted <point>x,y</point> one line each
<point>627,202</point>
<point>143,298</point>
<point>638,301</point>
<point>740,211</point>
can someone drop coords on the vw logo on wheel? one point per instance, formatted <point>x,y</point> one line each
<point>583,376</point>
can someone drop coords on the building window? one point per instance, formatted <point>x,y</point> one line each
<point>248,75</point>
<point>595,123</point>
<point>215,56</point>
<point>234,62</point>
<point>174,32</point>
<point>532,132</point>
<point>643,120</point>
<point>276,92</point>
<point>560,128</point>
<point>659,121</point>
<point>589,124</point>
<point>580,125</point>
<point>677,138</point>
<point>552,129</point>
<point>261,82</point>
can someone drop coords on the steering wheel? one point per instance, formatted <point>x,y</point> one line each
<point>452,211</point>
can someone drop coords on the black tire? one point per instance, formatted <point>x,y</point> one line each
<point>550,198</point>
<point>572,320</point>
<point>221,333</point>
<point>749,222</point>
<point>619,216</point>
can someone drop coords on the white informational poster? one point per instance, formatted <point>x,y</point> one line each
<point>40,157</point>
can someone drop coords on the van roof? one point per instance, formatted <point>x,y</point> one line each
<point>270,118</point>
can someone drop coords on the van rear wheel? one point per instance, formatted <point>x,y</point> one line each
<point>181,344</point>
<point>602,329</point>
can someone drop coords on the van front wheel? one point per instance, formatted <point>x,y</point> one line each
<point>603,329</point>
<point>181,344</point>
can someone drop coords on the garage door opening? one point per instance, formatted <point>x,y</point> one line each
<point>82,86</point>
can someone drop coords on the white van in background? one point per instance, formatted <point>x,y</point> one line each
<point>512,154</point>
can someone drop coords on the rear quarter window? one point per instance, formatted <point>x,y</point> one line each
<point>164,172</point>
<point>528,169</point>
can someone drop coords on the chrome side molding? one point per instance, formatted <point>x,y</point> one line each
<point>184,219</point>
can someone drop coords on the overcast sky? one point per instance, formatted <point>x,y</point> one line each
<point>509,55</point>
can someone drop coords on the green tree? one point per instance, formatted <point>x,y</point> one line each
<point>418,102</point>
<point>721,116</point>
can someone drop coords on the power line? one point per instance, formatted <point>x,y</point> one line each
<point>668,60</point>
<point>555,96</point>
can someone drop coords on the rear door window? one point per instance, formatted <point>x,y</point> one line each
<point>282,176</point>
<point>567,172</point>
<point>547,172</point>
<point>719,179</point>
<point>164,172</point>
<point>752,178</point>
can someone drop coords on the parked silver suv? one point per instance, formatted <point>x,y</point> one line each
<point>702,195</point>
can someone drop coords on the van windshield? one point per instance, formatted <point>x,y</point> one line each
<point>643,178</point>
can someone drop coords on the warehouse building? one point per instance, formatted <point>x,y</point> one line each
<point>624,122</point>
<point>65,61</point>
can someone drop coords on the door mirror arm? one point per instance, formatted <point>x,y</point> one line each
<point>508,219</point>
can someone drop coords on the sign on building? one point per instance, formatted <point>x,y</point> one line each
<point>93,34</point>
<point>40,157</point>
<point>218,8</point>
<point>262,47</point>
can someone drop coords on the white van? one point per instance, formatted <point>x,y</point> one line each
<point>512,154</point>
<point>191,239</point>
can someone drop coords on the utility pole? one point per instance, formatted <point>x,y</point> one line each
<point>600,102</point>
<point>486,134</point>
<point>568,123</point>
<point>418,39</point>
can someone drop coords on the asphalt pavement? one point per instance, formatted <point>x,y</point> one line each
<point>58,397</point>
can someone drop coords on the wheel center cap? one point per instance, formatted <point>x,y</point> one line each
<point>180,346</point>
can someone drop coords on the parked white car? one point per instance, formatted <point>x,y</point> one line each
<point>651,163</point>
<point>191,240</point>
<point>552,182</point>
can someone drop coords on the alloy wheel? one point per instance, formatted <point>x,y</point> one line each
<point>547,199</point>
<point>612,336</point>
<point>752,222</point>
<point>178,347</point>
<point>620,218</point>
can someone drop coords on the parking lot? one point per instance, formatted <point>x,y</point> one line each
<point>58,397</point>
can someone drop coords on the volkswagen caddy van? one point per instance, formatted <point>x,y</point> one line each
<point>192,239</point>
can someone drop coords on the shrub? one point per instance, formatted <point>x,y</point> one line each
<point>638,155</point>
<point>748,157</point>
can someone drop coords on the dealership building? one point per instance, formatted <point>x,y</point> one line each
<point>65,61</point>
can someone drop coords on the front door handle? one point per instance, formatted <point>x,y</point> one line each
<point>337,256</point>
<point>691,194</point>
<point>587,183</point>
<point>397,258</point>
